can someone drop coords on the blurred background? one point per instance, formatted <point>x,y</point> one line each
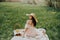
<point>55,3</point>
<point>13,16</point>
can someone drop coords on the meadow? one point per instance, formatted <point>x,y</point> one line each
<point>13,16</point>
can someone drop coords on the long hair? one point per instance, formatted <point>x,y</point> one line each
<point>33,21</point>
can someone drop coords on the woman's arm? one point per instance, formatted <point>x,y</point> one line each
<point>27,26</point>
<point>25,31</point>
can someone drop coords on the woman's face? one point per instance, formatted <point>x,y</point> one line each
<point>30,17</point>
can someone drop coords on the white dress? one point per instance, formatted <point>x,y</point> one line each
<point>41,33</point>
<point>31,32</point>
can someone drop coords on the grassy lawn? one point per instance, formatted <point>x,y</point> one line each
<point>12,16</point>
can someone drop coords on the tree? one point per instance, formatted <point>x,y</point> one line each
<point>49,3</point>
<point>58,3</point>
<point>54,3</point>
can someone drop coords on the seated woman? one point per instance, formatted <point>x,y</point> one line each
<point>30,30</point>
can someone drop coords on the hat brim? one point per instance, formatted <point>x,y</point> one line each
<point>33,16</point>
<point>27,14</point>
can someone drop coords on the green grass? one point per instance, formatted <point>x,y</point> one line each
<point>12,16</point>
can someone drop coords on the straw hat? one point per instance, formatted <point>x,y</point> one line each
<point>32,14</point>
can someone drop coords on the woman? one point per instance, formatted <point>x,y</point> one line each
<point>30,30</point>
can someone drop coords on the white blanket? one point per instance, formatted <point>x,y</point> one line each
<point>41,35</point>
